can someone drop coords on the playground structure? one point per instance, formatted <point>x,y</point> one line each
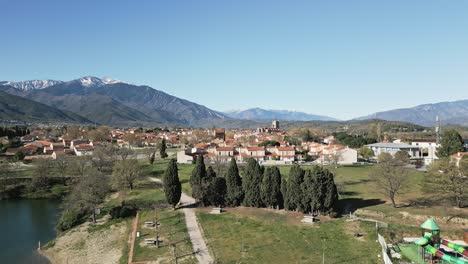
<point>429,245</point>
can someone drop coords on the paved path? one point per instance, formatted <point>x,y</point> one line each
<point>196,237</point>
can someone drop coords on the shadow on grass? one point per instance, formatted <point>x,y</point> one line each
<point>350,205</point>
<point>356,182</point>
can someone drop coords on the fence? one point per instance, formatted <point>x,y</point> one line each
<point>385,256</point>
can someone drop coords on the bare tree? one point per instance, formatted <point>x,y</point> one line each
<point>125,173</point>
<point>104,156</point>
<point>150,154</point>
<point>60,166</point>
<point>79,166</point>
<point>124,153</point>
<point>90,192</point>
<point>40,175</point>
<point>390,178</point>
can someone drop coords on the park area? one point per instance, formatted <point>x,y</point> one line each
<point>248,235</point>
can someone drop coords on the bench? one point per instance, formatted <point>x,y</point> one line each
<point>217,210</point>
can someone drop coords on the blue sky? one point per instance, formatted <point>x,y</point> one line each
<point>338,58</point>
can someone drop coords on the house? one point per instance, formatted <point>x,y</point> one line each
<point>392,148</point>
<point>257,153</point>
<point>337,154</point>
<point>287,154</point>
<point>428,149</point>
<point>83,150</point>
<point>329,140</point>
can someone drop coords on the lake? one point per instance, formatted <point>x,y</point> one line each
<point>23,223</point>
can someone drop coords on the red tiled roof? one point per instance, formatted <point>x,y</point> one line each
<point>224,149</point>
<point>255,148</point>
<point>286,149</point>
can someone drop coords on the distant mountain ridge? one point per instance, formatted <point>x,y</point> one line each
<point>113,102</point>
<point>263,114</point>
<point>17,108</point>
<point>455,112</point>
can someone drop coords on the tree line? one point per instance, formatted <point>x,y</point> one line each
<point>12,132</point>
<point>307,191</point>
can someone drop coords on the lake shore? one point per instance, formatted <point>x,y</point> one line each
<point>104,242</point>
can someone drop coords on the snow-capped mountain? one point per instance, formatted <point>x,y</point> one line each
<point>90,81</point>
<point>32,84</point>
<point>113,102</point>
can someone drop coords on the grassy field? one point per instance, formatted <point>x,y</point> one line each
<point>172,231</point>
<point>260,236</point>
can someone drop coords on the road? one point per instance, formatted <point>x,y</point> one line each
<point>198,242</point>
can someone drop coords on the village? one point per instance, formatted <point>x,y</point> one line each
<point>269,146</point>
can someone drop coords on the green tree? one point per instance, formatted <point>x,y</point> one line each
<point>125,173</point>
<point>197,179</point>
<point>451,143</point>
<point>217,191</point>
<point>270,189</point>
<point>251,182</point>
<point>308,192</point>
<point>331,194</point>
<point>448,180</point>
<point>234,192</point>
<point>172,186</point>
<point>320,188</point>
<point>294,190</point>
<point>284,193</point>
<point>366,152</point>
<point>162,149</point>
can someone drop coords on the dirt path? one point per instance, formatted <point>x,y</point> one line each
<point>195,233</point>
<point>132,242</point>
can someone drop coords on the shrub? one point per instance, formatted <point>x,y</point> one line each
<point>123,211</point>
<point>70,218</point>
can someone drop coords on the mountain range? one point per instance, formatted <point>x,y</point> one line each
<point>455,112</point>
<point>263,115</point>
<point>112,102</point>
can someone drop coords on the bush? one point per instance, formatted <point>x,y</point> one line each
<point>123,211</point>
<point>70,218</point>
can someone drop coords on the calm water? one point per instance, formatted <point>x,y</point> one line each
<point>22,224</point>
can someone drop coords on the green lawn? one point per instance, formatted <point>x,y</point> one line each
<point>172,231</point>
<point>271,238</point>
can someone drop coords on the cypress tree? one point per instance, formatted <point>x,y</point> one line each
<point>308,195</point>
<point>271,188</point>
<point>197,179</point>
<point>217,191</point>
<point>172,186</point>
<point>234,193</point>
<point>210,173</point>
<point>266,188</point>
<point>284,193</point>
<point>294,193</point>
<point>251,183</point>
<point>320,188</point>
<point>162,149</point>
<point>331,195</point>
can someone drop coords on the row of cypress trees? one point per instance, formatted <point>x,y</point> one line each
<point>305,190</point>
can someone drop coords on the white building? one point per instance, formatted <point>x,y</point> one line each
<point>392,148</point>
<point>428,149</point>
